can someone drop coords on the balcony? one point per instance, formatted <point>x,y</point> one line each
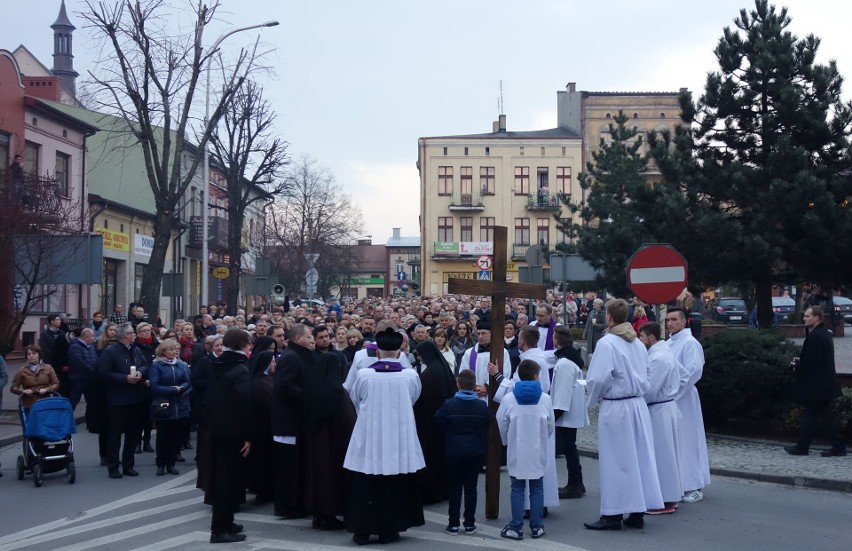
<point>467,202</point>
<point>519,250</point>
<point>543,201</point>
<point>217,232</point>
<point>32,200</point>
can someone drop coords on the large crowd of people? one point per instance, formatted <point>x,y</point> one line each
<point>359,413</point>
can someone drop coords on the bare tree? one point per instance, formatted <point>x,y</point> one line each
<point>32,248</point>
<point>149,77</point>
<point>253,162</point>
<point>314,216</point>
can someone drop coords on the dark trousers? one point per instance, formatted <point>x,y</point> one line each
<point>463,475</point>
<point>811,412</point>
<point>169,438</point>
<point>285,493</point>
<point>126,420</point>
<point>567,439</point>
<point>77,389</point>
<point>226,454</point>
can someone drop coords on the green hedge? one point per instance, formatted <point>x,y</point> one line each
<point>747,378</point>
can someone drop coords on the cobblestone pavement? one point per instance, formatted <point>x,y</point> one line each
<point>758,460</point>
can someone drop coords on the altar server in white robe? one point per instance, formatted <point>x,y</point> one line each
<point>384,452</point>
<point>528,344</point>
<point>618,378</point>
<point>367,356</point>
<point>664,376</point>
<point>695,464</point>
<point>478,357</point>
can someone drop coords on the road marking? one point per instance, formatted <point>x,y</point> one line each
<point>145,530</point>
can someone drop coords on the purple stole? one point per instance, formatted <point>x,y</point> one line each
<point>388,366</point>
<point>548,340</point>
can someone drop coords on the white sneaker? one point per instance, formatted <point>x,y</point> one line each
<point>693,496</point>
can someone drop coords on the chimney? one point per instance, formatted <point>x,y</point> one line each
<point>396,233</point>
<point>572,87</point>
<point>502,123</point>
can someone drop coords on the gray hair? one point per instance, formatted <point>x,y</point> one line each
<point>124,329</point>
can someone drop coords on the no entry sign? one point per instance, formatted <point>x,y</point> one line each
<point>656,273</point>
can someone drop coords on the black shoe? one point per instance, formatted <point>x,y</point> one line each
<point>161,471</point>
<point>226,537</point>
<point>570,492</point>
<point>235,528</point>
<point>361,539</point>
<point>605,523</point>
<point>834,452</point>
<point>327,524</point>
<point>389,538</point>
<point>129,471</point>
<point>635,520</point>
<point>796,450</point>
<point>139,448</point>
<point>179,458</point>
<point>147,448</point>
<point>114,473</point>
<point>172,470</point>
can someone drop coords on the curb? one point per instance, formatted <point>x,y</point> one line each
<point>799,481</point>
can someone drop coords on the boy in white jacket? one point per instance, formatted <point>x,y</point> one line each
<point>525,420</point>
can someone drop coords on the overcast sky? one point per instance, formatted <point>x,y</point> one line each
<point>358,82</point>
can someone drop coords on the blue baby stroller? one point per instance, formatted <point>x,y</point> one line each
<point>48,447</point>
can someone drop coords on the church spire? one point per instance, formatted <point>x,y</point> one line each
<point>63,56</point>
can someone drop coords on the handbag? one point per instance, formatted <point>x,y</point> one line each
<point>161,408</point>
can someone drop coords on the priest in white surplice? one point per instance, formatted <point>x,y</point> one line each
<point>528,344</point>
<point>618,378</point>
<point>384,452</point>
<point>478,357</point>
<point>695,465</point>
<point>664,376</point>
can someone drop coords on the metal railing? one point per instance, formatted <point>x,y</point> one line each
<point>543,200</point>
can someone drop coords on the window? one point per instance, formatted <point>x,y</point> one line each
<point>522,231</point>
<point>445,180</point>
<point>542,152</point>
<point>445,152</point>
<point>563,179</point>
<point>467,185</point>
<point>486,180</point>
<point>486,229</point>
<point>522,180</point>
<point>466,228</point>
<point>138,270</point>
<point>63,165</point>
<point>465,152</point>
<point>445,228</point>
<point>563,151</point>
<point>541,178</point>
<point>543,235</point>
<point>5,161</point>
<point>31,153</point>
<point>400,267</point>
<point>487,151</point>
<point>522,150</point>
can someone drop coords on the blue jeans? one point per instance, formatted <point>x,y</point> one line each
<point>536,503</point>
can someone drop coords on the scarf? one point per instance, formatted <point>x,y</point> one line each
<point>186,349</point>
<point>625,331</point>
<point>167,361</point>
<point>35,368</point>
<point>149,340</point>
<point>548,339</point>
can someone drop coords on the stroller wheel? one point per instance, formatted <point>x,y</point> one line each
<point>37,475</point>
<point>22,466</point>
<point>72,472</point>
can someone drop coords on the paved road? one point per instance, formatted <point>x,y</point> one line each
<point>151,512</point>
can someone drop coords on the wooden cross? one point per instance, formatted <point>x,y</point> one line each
<point>499,289</point>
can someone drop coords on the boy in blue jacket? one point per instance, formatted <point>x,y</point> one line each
<point>464,419</point>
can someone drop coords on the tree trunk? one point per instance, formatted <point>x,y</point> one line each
<point>763,301</point>
<point>152,276</point>
<point>235,257</point>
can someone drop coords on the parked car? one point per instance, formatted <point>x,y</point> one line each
<point>782,307</point>
<point>843,305</point>
<point>730,310</point>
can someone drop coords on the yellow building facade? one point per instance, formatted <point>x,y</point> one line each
<point>471,183</point>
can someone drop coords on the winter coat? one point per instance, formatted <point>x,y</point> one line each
<point>25,379</point>
<point>464,419</point>
<point>229,397</point>
<point>82,359</point>
<point>816,378</point>
<point>164,378</point>
<point>114,367</point>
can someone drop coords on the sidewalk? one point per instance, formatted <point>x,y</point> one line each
<point>761,460</point>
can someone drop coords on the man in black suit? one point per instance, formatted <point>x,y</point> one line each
<point>816,385</point>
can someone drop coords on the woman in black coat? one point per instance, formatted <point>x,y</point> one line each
<point>229,421</point>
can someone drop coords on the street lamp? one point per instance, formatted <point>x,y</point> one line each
<point>205,195</point>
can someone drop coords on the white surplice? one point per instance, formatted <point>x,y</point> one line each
<point>618,378</point>
<point>384,440</point>
<point>480,367</point>
<point>695,464</point>
<point>569,395</point>
<point>666,419</point>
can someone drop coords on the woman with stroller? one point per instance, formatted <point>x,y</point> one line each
<point>35,380</point>
<point>170,389</point>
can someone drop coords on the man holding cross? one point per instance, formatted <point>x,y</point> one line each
<point>477,359</point>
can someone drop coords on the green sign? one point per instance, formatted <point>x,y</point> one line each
<point>446,247</point>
